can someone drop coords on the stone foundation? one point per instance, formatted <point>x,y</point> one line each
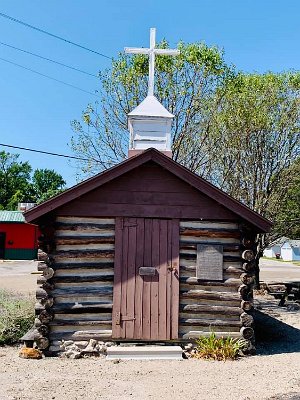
<point>81,349</point>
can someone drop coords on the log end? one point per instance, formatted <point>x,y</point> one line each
<point>247,332</point>
<point>42,343</point>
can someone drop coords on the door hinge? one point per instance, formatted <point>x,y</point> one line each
<point>119,318</point>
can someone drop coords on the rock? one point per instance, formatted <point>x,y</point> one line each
<point>73,347</point>
<point>249,349</point>
<point>37,323</point>
<point>92,348</point>
<point>68,353</point>
<point>30,353</point>
<point>82,344</point>
<point>67,343</point>
<point>102,349</point>
<point>91,354</point>
<point>75,355</point>
<point>92,343</point>
<point>89,349</point>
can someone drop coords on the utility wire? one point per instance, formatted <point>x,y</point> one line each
<point>53,35</point>
<point>48,59</point>
<point>47,152</point>
<point>49,77</point>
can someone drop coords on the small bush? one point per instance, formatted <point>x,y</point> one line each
<point>16,316</point>
<point>221,349</point>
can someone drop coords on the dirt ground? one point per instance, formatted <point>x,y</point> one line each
<point>17,276</point>
<point>273,374</point>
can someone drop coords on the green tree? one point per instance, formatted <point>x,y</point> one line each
<point>184,84</point>
<point>14,180</point>
<point>257,138</point>
<point>285,203</point>
<point>256,134</point>
<point>46,183</point>
<point>17,185</point>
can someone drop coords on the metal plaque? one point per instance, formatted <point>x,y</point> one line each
<point>209,262</point>
<point>147,271</point>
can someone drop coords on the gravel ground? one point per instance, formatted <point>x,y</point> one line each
<point>273,374</point>
<point>258,377</point>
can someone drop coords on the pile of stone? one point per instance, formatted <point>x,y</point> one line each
<point>82,349</point>
<point>189,350</point>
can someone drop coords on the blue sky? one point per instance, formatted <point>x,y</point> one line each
<point>36,112</point>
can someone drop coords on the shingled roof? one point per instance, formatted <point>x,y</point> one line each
<point>11,216</point>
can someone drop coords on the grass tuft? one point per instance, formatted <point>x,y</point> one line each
<point>220,349</point>
<point>16,316</point>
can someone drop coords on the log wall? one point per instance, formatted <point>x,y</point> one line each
<point>75,289</point>
<point>221,306</point>
<point>82,284</point>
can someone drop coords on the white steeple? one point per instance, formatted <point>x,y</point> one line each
<point>150,123</point>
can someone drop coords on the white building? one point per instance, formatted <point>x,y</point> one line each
<point>275,247</point>
<point>290,250</point>
<point>271,251</point>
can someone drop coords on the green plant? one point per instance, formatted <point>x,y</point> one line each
<point>221,349</point>
<point>16,316</point>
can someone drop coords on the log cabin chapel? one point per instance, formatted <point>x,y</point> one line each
<point>146,251</point>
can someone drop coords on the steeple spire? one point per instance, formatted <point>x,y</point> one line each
<point>151,52</point>
<point>150,123</point>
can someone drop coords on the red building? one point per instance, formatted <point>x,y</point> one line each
<point>18,239</point>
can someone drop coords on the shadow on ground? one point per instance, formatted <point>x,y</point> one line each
<point>273,335</point>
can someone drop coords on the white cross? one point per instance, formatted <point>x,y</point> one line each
<point>151,51</point>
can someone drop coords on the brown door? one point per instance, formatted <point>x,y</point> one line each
<point>146,281</point>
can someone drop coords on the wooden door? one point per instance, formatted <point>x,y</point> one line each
<point>146,279</point>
